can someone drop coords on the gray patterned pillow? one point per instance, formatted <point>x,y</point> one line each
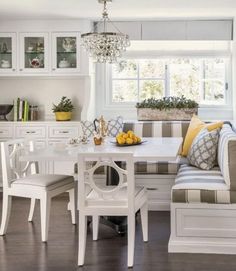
<point>203,151</point>
<point>115,126</point>
<point>87,128</point>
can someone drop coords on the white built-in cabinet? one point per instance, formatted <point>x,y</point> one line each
<point>34,52</point>
<point>8,53</point>
<point>41,53</point>
<point>65,52</point>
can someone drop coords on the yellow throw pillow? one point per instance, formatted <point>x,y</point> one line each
<point>213,126</point>
<point>195,126</point>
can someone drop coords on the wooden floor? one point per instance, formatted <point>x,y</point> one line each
<point>22,250</point>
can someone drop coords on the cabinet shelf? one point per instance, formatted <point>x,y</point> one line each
<point>6,53</point>
<point>66,52</point>
<point>34,53</point>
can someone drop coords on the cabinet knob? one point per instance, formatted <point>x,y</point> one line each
<point>13,70</point>
<point>53,69</point>
<point>21,70</point>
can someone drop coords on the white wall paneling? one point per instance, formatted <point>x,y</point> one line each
<point>44,91</point>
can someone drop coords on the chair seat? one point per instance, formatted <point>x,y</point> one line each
<point>45,181</point>
<point>119,199</point>
<point>196,185</point>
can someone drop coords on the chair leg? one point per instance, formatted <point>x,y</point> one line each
<point>144,221</point>
<point>45,206</point>
<point>31,212</point>
<point>6,210</point>
<point>131,239</point>
<point>95,227</point>
<point>72,206</point>
<point>82,238</point>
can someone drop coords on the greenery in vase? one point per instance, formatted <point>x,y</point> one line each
<point>65,105</point>
<point>168,103</point>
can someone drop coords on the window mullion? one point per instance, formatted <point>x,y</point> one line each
<point>167,80</point>
<point>138,81</point>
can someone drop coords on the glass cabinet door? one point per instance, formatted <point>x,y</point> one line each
<point>65,52</point>
<point>34,52</point>
<point>7,52</point>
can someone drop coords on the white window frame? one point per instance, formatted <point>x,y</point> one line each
<point>109,104</point>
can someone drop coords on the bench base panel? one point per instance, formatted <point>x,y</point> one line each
<point>203,228</point>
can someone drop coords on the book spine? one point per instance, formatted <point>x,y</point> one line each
<point>20,110</point>
<point>15,109</point>
<point>26,105</point>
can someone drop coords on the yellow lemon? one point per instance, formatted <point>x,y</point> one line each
<point>129,141</point>
<point>125,136</point>
<point>121,134</point>
<point>135,140</point>
<point>121,140</point>
<point>139,139</point>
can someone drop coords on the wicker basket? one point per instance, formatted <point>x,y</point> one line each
<point>166,114</point>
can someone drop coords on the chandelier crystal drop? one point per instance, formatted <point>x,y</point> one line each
<point>105,46</point>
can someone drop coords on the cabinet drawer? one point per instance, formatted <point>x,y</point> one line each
<point>6,132</point>
<point>36,131</point>
<point>63,132</point>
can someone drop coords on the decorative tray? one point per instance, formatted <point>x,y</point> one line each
<point>128,145</point>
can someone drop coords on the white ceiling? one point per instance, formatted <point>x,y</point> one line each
<point>119,9</point>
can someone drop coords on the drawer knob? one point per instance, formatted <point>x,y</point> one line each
<point>1,132</point>
<point>64,132</point>
<point>30,132</point>
<point>152,188</point>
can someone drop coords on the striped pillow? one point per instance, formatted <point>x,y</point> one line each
<point>227,155</point>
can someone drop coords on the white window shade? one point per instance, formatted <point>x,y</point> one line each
<point>179,48</point>
<point>174,29</point>
<point>188,30</point>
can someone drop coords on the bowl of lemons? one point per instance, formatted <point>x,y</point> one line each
<point>128,139</point>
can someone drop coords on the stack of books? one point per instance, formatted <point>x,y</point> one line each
<point>21,110</point>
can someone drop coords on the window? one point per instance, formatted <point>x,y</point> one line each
<point>201,79</point>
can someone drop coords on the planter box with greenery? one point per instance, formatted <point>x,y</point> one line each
<point>167,108</point>
<point>63,110</point>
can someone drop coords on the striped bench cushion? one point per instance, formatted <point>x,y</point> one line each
<point>197,185</point>
<point>151,167</point>
<point>159,167</point>
<point>227,155</point>
<point>158,128</point>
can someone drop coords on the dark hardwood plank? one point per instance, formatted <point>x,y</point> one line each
<point>22,250</point>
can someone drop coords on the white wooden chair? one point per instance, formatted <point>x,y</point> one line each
<point>24,181</point>
<point>122,200</point>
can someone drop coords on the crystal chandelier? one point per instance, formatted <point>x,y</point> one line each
<point>105,46</point>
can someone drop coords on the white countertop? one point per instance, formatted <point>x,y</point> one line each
<point>153,149</point>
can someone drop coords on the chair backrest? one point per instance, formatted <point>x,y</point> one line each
<point>11,166</point>
<point>86,176</point>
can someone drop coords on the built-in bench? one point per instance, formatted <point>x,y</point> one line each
<point>203,208</point>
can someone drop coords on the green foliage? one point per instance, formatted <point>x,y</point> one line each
<point>168,103</point>
<point>65,105</point>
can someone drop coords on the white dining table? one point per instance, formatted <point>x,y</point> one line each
<point>152,149</point>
